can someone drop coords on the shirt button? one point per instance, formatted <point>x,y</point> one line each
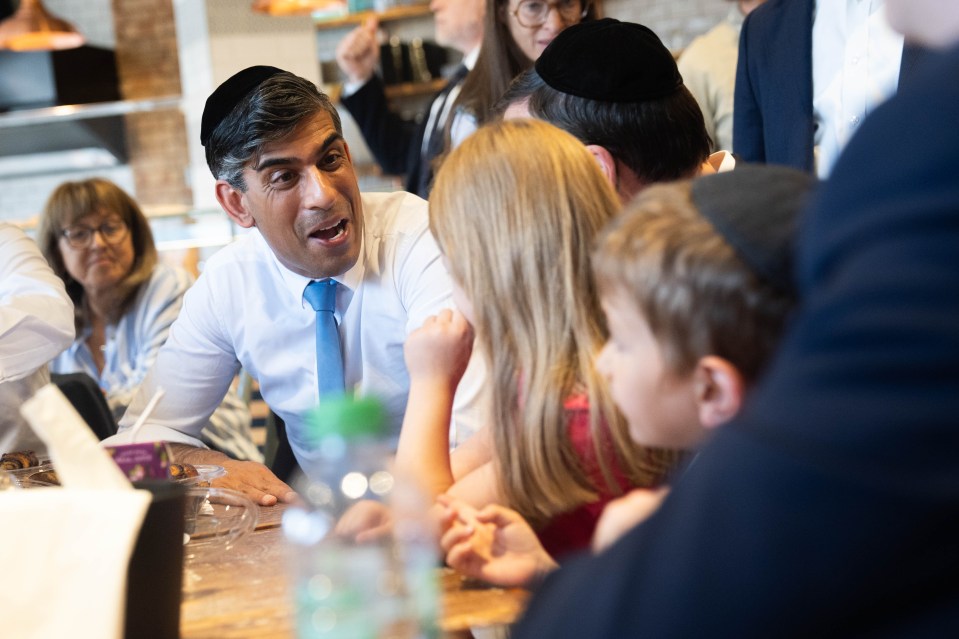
<point>854,120</point>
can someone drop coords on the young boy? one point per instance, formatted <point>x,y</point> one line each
<point>695,278</point>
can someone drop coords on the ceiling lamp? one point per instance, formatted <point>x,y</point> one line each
<point>33,28</point>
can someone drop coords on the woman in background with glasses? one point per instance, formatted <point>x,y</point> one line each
<point>514,35</point>
<point>99,242</point>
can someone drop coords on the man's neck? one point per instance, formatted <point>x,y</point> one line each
<point>470,53</point>
<point>628,184</point>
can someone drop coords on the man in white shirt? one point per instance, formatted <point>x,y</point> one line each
<point>404,146</point>
<point>276,147</point>
<point>855,66</point>
<point>809,72</point>
<point>36,324</point>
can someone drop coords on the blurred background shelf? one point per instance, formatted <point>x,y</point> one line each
<point>328,15</point>
<point>394,13</point>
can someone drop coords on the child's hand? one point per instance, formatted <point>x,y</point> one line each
<point>494,544</point>
<point>439,350</point>
<point>365,521</point>
<point>621,515</point>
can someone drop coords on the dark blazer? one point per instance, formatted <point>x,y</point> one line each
<point>830,507</point>
<point>773,111</point>
<point>394,141</point>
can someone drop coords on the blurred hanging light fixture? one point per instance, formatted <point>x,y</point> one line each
<point>33,28</point>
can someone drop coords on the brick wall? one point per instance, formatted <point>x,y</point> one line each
<point>148,65</point>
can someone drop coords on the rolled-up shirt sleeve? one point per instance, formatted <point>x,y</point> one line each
<point>194,367</point>
<point>36,315</point>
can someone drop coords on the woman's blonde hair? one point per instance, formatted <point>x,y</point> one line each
<point>73,200</point>
<point>515,209</point>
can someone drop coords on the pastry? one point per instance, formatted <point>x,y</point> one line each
<point>18,460</point>
<point>182,471</point>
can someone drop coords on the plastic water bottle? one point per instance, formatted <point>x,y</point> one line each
<point>353,576</point>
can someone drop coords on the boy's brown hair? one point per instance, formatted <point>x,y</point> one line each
<point>709,271</point>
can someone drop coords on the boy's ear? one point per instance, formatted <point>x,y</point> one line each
<point>232,202</point>
<point>606,161</point>
<point>720,390</point>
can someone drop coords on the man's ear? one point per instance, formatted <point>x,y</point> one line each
<point>720,390</point>
<point>232,202</point>
<point>606,161</point>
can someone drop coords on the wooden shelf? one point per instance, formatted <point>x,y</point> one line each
<point>393,91</point>
<point>306,8</point>
<point>413,89</point>
<point>396,13</point>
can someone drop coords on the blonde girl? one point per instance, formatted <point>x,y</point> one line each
<point>515,209</point>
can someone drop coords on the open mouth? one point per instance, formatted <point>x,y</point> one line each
<point>330,232</point>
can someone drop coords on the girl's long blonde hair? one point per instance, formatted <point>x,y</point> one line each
<point>515,209</point>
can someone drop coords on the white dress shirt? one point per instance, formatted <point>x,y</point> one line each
<point>36,323</point>
<point>247,309</point>
<point>131,347</point>
<point>855,67</point>
<point>464,123</point>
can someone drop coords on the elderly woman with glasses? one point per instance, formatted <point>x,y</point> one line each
<point>514,35</point>
<point>99,242</point>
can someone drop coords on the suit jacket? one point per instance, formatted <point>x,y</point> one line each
<point>773,108</point>
<point>395,142</point>
<point>830,507</point>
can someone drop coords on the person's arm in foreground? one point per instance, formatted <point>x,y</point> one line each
<point>436,357</point>
<point>195,368</point>
<point>36,316</point>
<point>150,319</point>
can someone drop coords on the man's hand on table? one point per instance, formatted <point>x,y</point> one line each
<point>253,479</point>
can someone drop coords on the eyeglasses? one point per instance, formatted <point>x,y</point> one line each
<point>80,237</point>
<point>534,13</point>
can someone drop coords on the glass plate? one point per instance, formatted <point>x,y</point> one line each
<point>205,474</point>
<point>23,476</point>
<point>216,518</point>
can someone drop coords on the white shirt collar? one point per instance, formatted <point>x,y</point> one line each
<point>296,284</point>
<point>469,60</point>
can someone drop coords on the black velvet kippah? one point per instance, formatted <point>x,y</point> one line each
<point>611,61</point>
<point>226,96</point>
<point>756,208</point>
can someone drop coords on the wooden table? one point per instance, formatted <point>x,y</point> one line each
<point>244,592</point>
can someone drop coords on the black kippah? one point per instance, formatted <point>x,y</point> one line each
<point>756,208</point>
<point>226,96</point>
<point>611,61</point>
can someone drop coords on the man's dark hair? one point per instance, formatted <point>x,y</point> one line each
<point>269,112</point>
<point>659,139</point>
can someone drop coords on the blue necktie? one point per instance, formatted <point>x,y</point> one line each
<point>329,360</point>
